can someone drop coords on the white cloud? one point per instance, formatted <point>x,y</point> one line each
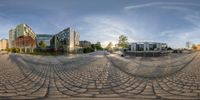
<point>107,29</point>
<point>194,19</point>
<point>159,4</point>
<point>178,38</point>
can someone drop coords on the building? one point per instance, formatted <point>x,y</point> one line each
<point>147,49</point>
<point>3,44</point>
<point>147,46</point>
<point>11,37</point>
<point>26,44</point>
<point>24,30</point>
<point>45,38</point>
<point>66,41</point>
<point>84,44</point>
<point>24,38</point>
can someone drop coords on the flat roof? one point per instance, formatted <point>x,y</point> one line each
<point>146,42</point>
<point>49,35</point>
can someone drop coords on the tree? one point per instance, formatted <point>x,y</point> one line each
<point>169,48</point>
<point>123,41</point>
<point>109,47</point>
<point>194,47</point>
<point>98,46</point>
<point>93,46</point>
<point>42,44</point>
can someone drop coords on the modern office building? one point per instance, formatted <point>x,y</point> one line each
<point>66,40</point>
<point>11,37</point>
<point>24,30</point>
<point>147,46</point>
<point>3,44</point>
<point>24,38</point>
<point>26,44</point>
<point>84,44</point>
<point>45,38</point>
<point>147,49</point>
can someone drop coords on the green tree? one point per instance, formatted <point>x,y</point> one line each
<point>123,41</point>
<point>42,44</point>
<point>109,47</point>
<point>93,46</point>
<point>98,46</point>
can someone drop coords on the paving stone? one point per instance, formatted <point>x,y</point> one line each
<point>98,76</point>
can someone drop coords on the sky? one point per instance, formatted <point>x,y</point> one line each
<point>170,21</point>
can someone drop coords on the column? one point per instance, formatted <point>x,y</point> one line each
<point>25,50</point>
<point>147,46</point>
<point>144,46</point>
<point>31,50</point>
<point>158,46</point>
<point>20,50</point>
<point>134,46</point>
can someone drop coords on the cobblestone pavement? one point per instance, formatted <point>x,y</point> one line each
<point>98,76</point>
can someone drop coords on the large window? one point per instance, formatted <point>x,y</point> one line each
<point>140,47</point>
<point>151,47</point>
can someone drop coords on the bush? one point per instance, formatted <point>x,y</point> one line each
<point>15,50</point>
<point>88,50</point>
<point>46,52</point>
<point>8,50</point>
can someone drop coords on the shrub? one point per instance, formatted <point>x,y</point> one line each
<point>8,49</point>
<point>15,50</point>
<point>88,50</point>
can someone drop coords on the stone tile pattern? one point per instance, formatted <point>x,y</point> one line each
<point>92,76</point>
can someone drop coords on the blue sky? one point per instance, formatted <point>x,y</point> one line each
<point>170,21</point>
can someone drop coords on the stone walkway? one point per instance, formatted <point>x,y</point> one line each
<point>96,76</point>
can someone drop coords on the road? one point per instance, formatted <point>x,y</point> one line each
<point>98,76</point>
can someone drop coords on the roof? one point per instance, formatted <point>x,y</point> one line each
<point>44,35</point>
<point>146,42</point>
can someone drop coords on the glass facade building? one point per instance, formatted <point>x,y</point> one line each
<point>66,40</point>
<point>45,38</point>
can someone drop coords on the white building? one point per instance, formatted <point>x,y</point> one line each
<point>147,46</point>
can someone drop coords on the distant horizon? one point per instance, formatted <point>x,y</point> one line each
<point>171,21</point>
